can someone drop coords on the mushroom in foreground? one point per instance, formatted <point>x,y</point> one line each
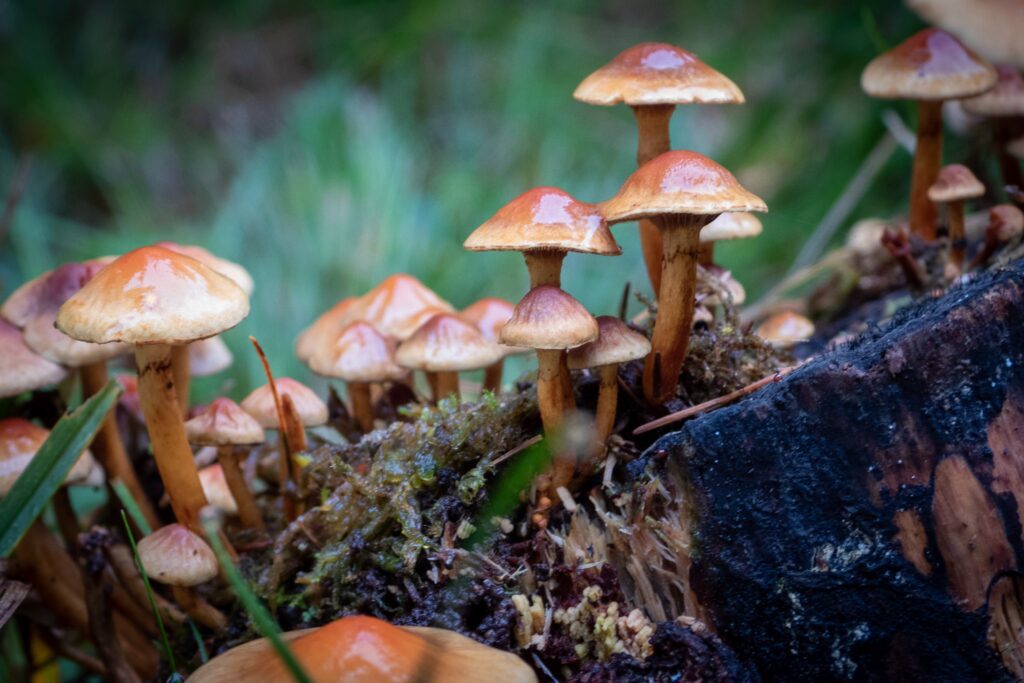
<point>358,649</point>
<point>930,67</point>
<point>955,185</point>
<point>447,345</point>
<point>682,192</point>
<point>154,299</point>
<point>785,329</point>
<point>653,78</point>
<point>490,315</point>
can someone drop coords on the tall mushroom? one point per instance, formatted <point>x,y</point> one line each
<point>653,78</point>
<point>1003,105</point>
<point>154,299</point>
<point>930,67</point>
<point>955,185</point>
<point>682,192</point>
<point>490,315</point>
<point>737,225</point>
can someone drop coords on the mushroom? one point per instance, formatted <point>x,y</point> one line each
<point>1003,105</point>
<point>398,306</point>
<point>155,299</point>
<point>736,225</point>
<point>360,649</point>
<point>490,315</point>
<point>955,184</point>
<point>616,343</point>
<point>326,326</point>
<point>208,357</point>
<point>446,345</point>
<point>21,369</point>
<point>785,329</point>
<point>653,78</point>
<point>176,556</point>
<point>215,486</point>
<point>360,356</point>
<point>682,192</point>
<point>1005,223</point>
<point>992,27</point>
<point>226,426</point>
<point>930,67</point>
<point>19,442</point>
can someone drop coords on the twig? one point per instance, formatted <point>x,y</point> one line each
<point>518,449</point>
<point>284,466</point>
<point>714,403</point>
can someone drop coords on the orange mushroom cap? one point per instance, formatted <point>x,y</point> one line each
<point>359,353</point>
<point>955,182</point>
<point>19,442</point>
<point>223,423</point>
<point>549,318</point>
<point>446,343</point>
<point>332,321</point>
<point>398,306</point>
<point>260,403</point>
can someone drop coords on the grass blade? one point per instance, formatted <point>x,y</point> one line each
<point>260,616</point>
<point>149,593</point>
<point>50,466</point>
<point>125,496</point>
<point>204,656</point>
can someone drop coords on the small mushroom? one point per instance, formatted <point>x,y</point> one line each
<point>785,329</point>
<point>21,369</point>
<point>327,326</point>
<point>1005,223</point>
<point>175,556</point>
<point>736,225</point>
<point>447,345</point>
<point>215,486</point>
<point>954,185</point>
<point>208,357</point>
<point>490,315</point>
<point>19,442</point>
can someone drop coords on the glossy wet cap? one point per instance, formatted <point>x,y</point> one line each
<point>359,649</point>
<point>679,182</point>
<point>48,291</point>
<point>549,318</point>
<point>930,65</point>
<point>398,306</point>
<point>489,316</point>
<point>153,296</point>
<point>323,329</point>
<point>223,423</point>
<point>1005,99</point>
<point>955,182</point>
<point>22,369</point>
<point>616,343</point>
<point>236,273</point>
<point>208,357</point>
<point>216,489</point>
<point>446,343</point>
<point>735,225</point>
<point>992,27</point>
<point>176,556</point>
<point>545,218</point>
<point>358,353</point>
<point>19,442</point>
<point>1006,221</point>
<point>260,403</point>
<point>785,329</point>
<point>657,73</point>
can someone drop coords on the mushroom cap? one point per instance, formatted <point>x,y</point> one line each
<point>490,315</point>
<point>545,218</point>
<point>323,329</point>
<point>21,369</point>
<point>223,423</point>
<point>955,182</point>
<point>992,27</point>
<point>1016,147</point>
<point>398,306</point>
<point>735,225</point>
<point>865,236</point>
<point>731,284</point>
<point>216,489</point>
<point>1005,99</point>
<point>208,357</point>
<point>360,649</point>
<point>679,182</point>
<point>176,556</point>
<point>447,343</point>
<point>44,338</point>
<point>19,442</point>
<point>153,296</point>
<point>1006,220</point>
<point>260,403</point>
<point>785,328</point>
<point>236,273</point>
<point>657,73</point>
<point>48,291</point>
<point>930,65</point>
<point>616,343</point>
<point>359,353</point>
<point>549,318</point>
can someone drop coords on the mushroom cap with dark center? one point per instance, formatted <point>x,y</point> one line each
<point>176,556</point>
<point>153,296</point>
<point>785,328</point>
<point>216,489</point>
<point>260,403</point>
<point>616,343</point>
<point>992,27</point>
<point>19,442</point>
<point>490,315</point>
<point>549,318</point>
<point>359,353</point>
<point>679,182</point>
<point>208,357</point>
<point>398,306</point>
<point>236,273</point>
<point>1007,221</point>
<point>21,369</point>
<point>223,423</point>
<point>545,218</point>
<point>48,291</point>
<point>734,225</point>
<point>325,327</point>
<point>955,182</point>
<point>1005,99</point>
<point>657,73</point>
<point>930,65</point>
<point>446,343</point>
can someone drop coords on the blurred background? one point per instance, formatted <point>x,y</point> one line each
<point>324,145</point>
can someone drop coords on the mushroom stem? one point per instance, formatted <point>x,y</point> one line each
<point>957,236</point>
<point>671,336</point>
<point>545,267</point>
<point>108,447</point>
<point>362,405</point>
<point>568,391</point>
<point>653,139</point>
<point>927,161</point>
<point>432,383</point>
<point>707,254</point>
<point>550,394</point>
<point>167,434</point>
<point>197,608</point>
<point>182,370</point>
<point>448,385</point>
<point>1009,167</point>
<point>492,377</point>
<point>607,402</point>
<point>248,511</point>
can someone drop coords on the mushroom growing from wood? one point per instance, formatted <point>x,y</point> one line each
<point>930,67</point>
<point>653,78</point>
<point>955,185</point>
<point>154,299</point>
<point>682,192</point>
